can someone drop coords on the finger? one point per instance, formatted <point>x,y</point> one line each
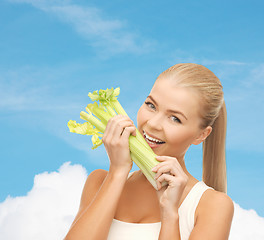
<point>110,123</point>
<point>119,118</point>
<point>121,126</point>
<point>126,124</point>
<point>167,170</point>
<point>168,167</point>
<point>159,165</point>
<point>123,117</point>
<point>110,128</point>
<point>122,122</point>
<point>127,131</point>
<point>158,184</point>
<point>116,126</point>
<point>167,158</point>
<point>166,177</point>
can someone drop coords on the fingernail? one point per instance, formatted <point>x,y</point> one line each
<point>153,169</point>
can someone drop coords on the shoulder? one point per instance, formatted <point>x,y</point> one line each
<point>95,178</point>
<point>213,216</point>
<point>98,174</point>
<point>215,202</point>
<point>92,185</point>
<point>219,199</point>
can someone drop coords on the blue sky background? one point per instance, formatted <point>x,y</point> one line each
<point>52,53</point>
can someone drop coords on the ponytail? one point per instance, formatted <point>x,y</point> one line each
<point>214,163</point>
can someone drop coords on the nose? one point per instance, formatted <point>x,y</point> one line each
<point>155,122</point>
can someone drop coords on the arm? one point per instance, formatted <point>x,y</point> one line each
<point>97,208</point>
<point>101,194</point>
<point>214,217</point>
<point>214,212</point>
<point>169,196</point>
<point>170,228</point>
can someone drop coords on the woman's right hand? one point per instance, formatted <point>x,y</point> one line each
<point>116,142</point>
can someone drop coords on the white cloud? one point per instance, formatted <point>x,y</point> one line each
<point>247,225</point>
<point>110,34</point>
<point>48,210</point>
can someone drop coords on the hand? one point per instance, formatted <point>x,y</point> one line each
<point>171,171</point>
<point>116,143</point>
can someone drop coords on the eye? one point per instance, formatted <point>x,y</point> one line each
<point>175,119</point>
<point>150,105</point>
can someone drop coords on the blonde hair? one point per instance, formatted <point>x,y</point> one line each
<point>212,113</point>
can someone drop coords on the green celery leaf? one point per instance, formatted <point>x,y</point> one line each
<point>105,96</point>
<point>96,141</point>
<point>84,128</point>
<point>94,96</point>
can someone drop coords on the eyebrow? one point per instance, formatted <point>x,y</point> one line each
<point>172,111</point>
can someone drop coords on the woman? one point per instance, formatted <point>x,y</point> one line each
<point>185,107</point>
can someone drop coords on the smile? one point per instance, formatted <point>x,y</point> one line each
<point>152,140</point>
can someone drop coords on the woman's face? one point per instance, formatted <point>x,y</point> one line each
<point>169,119</point>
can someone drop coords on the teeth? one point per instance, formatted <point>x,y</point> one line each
<point>152,139</point>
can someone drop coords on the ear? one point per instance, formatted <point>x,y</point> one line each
<point>203,135</point>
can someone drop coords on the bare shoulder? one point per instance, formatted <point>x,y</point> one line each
<point>214,215</point>
<point>96,175</point>
<point>215,203</point>
<point>91,186</point>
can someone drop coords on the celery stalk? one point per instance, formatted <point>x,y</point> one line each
<point>148,158</point>
<point>105,97</point>
<point>110,110</point>
<point>120,110</point>
<point>117,106</point>
<point>93,120</point>
<point>140,151</point>
<point>148,174</point>
<point>99,112</point>
<point>142,140</point>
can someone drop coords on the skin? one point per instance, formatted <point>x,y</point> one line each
<point>109,195</point>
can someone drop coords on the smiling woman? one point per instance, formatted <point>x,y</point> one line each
<point>184,107</point>
<point>171,118</point>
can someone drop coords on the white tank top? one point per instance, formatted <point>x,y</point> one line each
<point>120,230</point>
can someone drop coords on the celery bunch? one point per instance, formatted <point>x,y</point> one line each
<point>97,114</point>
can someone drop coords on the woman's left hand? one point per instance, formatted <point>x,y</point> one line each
<point>171,171</point>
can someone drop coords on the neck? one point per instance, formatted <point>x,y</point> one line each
<point>181,160</point>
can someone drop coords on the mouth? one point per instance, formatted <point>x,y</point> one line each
<point>153,142</point>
